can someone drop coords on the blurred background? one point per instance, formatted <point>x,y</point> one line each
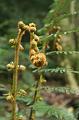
<point>39,12</point>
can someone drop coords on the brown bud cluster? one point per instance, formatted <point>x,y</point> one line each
<point>10,66</point>
<point>37,58</point>
<point>56,28</point>
<point>22,26</point>
<point>21,68</point>
<point>22,92</point>
<point>9,97</point>
<point>57,43</point>
<point>12,41</point>
<point>32,27</point>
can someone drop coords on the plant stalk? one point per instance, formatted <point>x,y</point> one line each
<point>15,73</point>
<point>32,112</point>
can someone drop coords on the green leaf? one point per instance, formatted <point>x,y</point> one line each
<point>53,112</point>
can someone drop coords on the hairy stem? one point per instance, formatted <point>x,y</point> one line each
<point>15,73</point>
<point>35,98</point>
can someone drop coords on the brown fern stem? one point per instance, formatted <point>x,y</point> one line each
<point>15,73</point>
<point>32,112</point>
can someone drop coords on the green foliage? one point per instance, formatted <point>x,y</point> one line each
<point>63,90</point>
<point>35,11</point>
<point>56,70</point>
<point>58,9</point>
<point>53,112</point>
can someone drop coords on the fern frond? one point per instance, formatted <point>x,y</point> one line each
<point>59,18</point>
<point>53,112</point>
<point>60,113</point>
<point>62,90</point>
<point>46,38</point>
<point>62,52</point>
<point>70,31</point>
<point>56,70</point>
<point>58,8</point>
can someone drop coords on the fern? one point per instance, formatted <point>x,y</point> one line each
<point>62,52</point>
<point>53,112</point>
<point>59,10</point>
<point>56,70</point>
<point>62,90</point>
